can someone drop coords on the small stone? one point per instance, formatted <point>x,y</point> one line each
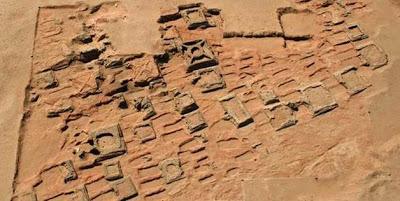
<point>143,104</point>
<point>34,97</point>
<point>122,103</point>
<point>83,38</point>
<point>95,8</point>
<point>68,167</point>
<point>89,53</point>
<point>113,62</point>
<point>45,80</point>
<point>58,108</point>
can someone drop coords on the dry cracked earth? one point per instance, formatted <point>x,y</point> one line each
<point>213,100</point>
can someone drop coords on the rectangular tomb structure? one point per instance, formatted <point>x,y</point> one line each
<point>184,103</point>
<point>268,97</point>
<point>68,168</point>
<point>198,55</point>
<point>195,18</point>
<point>112,171</point>
<point>124,189</point>
<point>144,104</point>
<point>372,55</point>
<point>145,131</point>
<point>281,116</point>
<point>144,71</point>
<point>339,38</point>
<point>319,98</point>
<point>235,110</point>
<point>171,170</point>
<point>45,80</point>
<point>209,80</point>
<point>171,41</point>
<point>195,122</point>
<point>350,79</point>
<point>81,194</point>
<point>355,32</point>
<point>109,142</point>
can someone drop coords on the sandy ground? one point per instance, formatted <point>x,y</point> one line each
<point>17,44</point>
<point>382,26</point>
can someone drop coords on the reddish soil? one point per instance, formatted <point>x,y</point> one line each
<point>286,100</point>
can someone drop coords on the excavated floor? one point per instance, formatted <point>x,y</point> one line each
<point>200,101</point>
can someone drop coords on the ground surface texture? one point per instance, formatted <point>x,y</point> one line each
<point>210,100</point>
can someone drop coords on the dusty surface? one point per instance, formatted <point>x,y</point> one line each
<point>285,100</point>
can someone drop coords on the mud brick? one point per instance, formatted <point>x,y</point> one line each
<point>355,32</point>
<point>339,38</point>
<point>286,86</point>
<point>125,189</point>
<point>171,170</point>
<point>372,55</point>
<point>268,97</point>
<point>109,142</point>
<point>89,53</point>
<point>319,98</point>
<point>122,103</point>
<point>31,196</point>
<point>112,171</point>
<point>45,80</point>
<point>281,116</point>
<point>189,5</point>
<point>84,155</point>
<point>195,122</point>
<point>120,60</point>
<point>81,194</point>
<point>86,161</point>
<point>184,103</point>
<point>235,110</point>
<point>349,78</point>
<point>113,62</point>
<point>347,3</point>
<point>145,131</point>
<point>171,45</point>
<point>86,82</point>
<point>113,88</point>
<point>144,71</point>
<point>169,32</point>
<point>169,14</point>
<point>195,18</point>
<point>83,38</point>
<point>198,55</point>
<point>326,17</point>
<point>301,1</point>
<point>143,104</point>
<point>60,62</point>
<point>170,38</point>
<point>70,173</point>
<point>209,80</point>
<point>60,107</point>
<point>158,83</point>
